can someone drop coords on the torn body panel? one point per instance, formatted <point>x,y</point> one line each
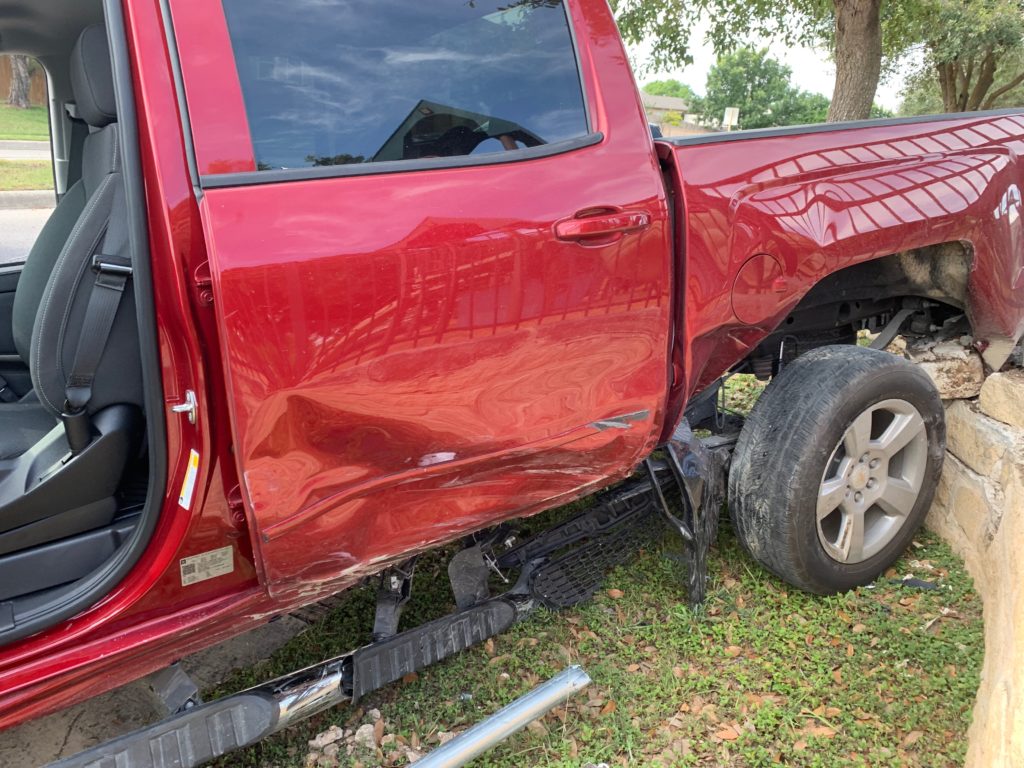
<point>849,195</point>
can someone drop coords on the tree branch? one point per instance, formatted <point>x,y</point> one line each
<point>994,96</point>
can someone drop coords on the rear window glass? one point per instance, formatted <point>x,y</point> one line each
<point>340,82</point>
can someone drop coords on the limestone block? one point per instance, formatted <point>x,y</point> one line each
<point>981,442</point>
<point>979,510</point>
<point>997,731</point>
<point>966,511</point>
<point>1002,397</point>
<point>957,371</point>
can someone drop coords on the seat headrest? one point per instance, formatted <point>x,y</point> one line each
<point>92,79</point>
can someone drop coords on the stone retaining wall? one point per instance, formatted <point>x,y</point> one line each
<point>979,509</point>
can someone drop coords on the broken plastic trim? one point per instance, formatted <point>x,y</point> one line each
<point>699,474</point>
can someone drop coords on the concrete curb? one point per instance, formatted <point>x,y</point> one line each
<point>25,150</point>
<point>29,198</point>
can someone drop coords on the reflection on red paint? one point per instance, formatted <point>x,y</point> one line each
<point>819,202</point>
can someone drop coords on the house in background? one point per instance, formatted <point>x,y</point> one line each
<point>669,114</point>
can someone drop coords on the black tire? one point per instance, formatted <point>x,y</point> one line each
<point>793,434</point>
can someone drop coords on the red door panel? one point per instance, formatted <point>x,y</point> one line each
<point>411,356</point>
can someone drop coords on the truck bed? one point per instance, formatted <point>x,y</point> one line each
<point>770,213</point>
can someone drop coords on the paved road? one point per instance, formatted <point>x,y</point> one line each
<point>24,150</point>
<point>18,230</point>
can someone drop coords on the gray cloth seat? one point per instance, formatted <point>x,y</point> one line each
<point>57,280</point>
<point>24,423</point>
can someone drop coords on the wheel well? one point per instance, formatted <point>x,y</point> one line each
<point>866,296</point>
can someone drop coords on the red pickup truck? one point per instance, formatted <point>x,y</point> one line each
<point>333,283</point>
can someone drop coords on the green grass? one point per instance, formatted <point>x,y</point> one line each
<point>742,391</point>
<point>30,124</point>
<point>764,675</point>
<point>25,174</point>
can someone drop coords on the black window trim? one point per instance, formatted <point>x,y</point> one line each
<point>719,137</point>
<point>279,175</point>
<point>179,93</point>
<point>251,178</point>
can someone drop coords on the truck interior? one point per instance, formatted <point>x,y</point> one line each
<point>74,454</point>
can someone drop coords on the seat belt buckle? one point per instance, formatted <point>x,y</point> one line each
<point>111,265</point>
<point>6,393</point>
<point>77,428</point>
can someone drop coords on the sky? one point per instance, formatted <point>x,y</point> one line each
<point>812,69</point>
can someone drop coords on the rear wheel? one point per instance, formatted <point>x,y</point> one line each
<point>836,467</point>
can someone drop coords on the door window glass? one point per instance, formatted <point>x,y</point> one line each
<point>26,164</point>
<point>340,82</point>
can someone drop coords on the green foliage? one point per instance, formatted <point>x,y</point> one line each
<point>902,23</point>
<point>667,24</point>
<point>960,29</point>
<point>673,118</point>
<point>973,56</point>
<point>760,87</point>
<point>804,108</point>
<point>764,675</point>
<point>673,88</point>
<point>922,93</point>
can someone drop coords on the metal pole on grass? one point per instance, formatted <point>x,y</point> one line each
<point>507,720</point>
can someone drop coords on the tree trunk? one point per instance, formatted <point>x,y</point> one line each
<point>986,76</point>
<point>947,85</point>
<point>858,59</point>
<point>970,87</point>
<point>20,82</point>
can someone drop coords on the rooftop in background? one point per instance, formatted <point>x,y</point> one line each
<point>667,103</point>
<point>669,114</point>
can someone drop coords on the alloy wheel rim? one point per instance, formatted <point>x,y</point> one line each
<point>872,481</point>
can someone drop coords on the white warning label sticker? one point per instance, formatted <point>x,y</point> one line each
<point>188,485</point>
<point>207,565</point>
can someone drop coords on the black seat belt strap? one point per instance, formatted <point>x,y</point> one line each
<point>76,150</point>
<point>112,275</point>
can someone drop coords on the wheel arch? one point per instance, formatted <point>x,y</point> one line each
<point>867,294</point>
